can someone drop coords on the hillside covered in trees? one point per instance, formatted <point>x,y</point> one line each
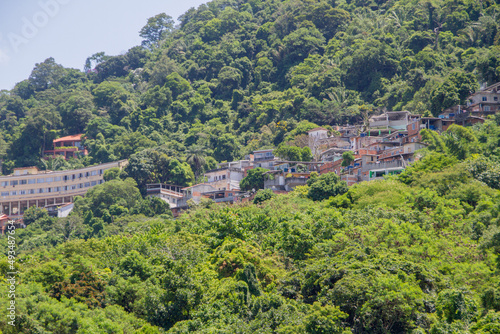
<point>415,253</point>
<point>235,76</point>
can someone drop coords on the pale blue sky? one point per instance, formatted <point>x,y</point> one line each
<point>72,30</point>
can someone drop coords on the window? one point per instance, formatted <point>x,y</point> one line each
<point>31,191</point>
<point>5,183</point>
<point>495,98</point>
<point>57,178</point>
<point>73,176</point>
<point>94,172</point>
<point>65,177</point>
<point>87,184</point>
<point>41,190</point>
<point>57,189</point>
<point>413,126</point>
<point>486,108</point>
<point>23,181</point>
<point>13,183</point>
<point>485,99</point>
<point>80,175</point>
<point>5,193</point>
<point>87,174</point>
<point>101,181</point>
<point>65,188</point>
<point>100,171</point>
<point>93,183</point>
<point>22,192</point>
<point>31,181</point>
<point>40,180</point>
<point>49,179</point>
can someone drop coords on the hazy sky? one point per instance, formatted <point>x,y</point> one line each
<point>72,30</point>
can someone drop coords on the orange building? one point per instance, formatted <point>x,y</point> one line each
<point>67,147</point>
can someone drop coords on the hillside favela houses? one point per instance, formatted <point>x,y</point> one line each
<point>386,145</point>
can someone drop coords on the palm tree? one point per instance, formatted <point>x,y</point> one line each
<point>51,163</point>
<point>196,159</point>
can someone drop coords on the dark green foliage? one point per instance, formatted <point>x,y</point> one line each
<point>83,285</point>
<point>254,179</point>
<point>155,166</point>
<point>36,214</point>
<point>347,158</point>
<point>454,90</point>
<point>455,305</point>
<point>150,207</point>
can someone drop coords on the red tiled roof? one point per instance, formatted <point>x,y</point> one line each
<point>69,138</point>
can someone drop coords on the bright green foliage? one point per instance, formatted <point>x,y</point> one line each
<point>324,319</point>
<point>263,195</point>
<point>434,140</point>
<point>485,170</point>
<point>121,192</point>
<point>325,186</point>
<point>429,163</point>
<point>158,28</point>
<point>293,153</point>
<point>461,141</point>
<point>112,174</point>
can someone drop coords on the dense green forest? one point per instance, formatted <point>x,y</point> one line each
<point>235,76</point>
<point>418,252</point>
<point>415,253</point>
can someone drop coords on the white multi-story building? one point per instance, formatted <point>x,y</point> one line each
<point>28,187</point>
<point>228,175</point>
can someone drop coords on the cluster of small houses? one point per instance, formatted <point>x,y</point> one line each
<point>386,146</point>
